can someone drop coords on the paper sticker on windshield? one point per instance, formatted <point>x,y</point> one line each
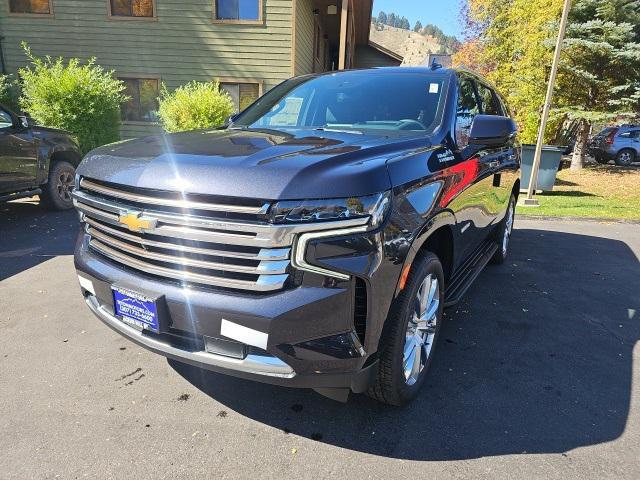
<point>433,88</point>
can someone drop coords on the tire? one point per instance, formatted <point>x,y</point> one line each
<point>625,157</point>
<point>56,193</point>
<point>396,383</point>
<point>503,233</point>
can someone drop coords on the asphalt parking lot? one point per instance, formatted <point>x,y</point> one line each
<point>536,376</point>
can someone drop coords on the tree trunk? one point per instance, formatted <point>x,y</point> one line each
<point>580,148</point>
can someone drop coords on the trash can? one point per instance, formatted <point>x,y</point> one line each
<point>549,163</point>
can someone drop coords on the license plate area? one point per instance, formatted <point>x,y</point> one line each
<point>135,309</point>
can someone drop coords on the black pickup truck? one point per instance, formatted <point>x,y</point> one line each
<point>314,240</point>
<point>36,160</point>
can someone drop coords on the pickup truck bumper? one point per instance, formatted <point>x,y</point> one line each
<point>307,330</point>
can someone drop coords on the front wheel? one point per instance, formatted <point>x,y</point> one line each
<point>410,334</point>
<point>56,193</point>
<point>625,157</point>
<point>503,234</point>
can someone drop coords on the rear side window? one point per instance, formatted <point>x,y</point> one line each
<point>490,103</point>
<point>467,109</point>
<point>630,134</point>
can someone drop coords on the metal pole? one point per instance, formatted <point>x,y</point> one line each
<point>547,106</point>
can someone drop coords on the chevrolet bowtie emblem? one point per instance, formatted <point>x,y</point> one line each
<point>137,223</point>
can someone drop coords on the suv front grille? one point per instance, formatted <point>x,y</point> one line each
<point>218,242</point>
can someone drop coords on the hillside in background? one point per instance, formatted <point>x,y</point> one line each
<point>394,33</point>
<point>412,46</point>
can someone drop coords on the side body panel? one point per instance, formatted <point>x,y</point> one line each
<point>18,159</point>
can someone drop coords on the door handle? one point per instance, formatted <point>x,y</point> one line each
<point>494,164</point>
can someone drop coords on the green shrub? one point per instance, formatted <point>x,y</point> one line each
<point>82,99</point>
<point>8,96</point>
<point>193,106</point>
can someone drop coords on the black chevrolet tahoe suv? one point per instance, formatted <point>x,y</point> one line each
<point>314,240</point>
<point>36,160</point>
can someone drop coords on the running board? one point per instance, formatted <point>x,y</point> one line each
<point>468,272</point>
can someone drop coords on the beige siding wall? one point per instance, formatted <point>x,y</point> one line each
<point>368,57</point>
<point>304,37</point>
<point>180,45</point>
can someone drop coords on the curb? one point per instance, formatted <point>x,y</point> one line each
<point>578,219</point>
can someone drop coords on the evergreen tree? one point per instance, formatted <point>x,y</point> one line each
<point>392,19</point>
<point>599,77</point>
<point>418,27</point>
<point>382,18</point>
<point>404,24</point>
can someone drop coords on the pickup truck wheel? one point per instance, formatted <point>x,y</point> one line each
<point>503,233</point>
<point>625,157</point>
<point>56,193</point>
<point>410,334</point>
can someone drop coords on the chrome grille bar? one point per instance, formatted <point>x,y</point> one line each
<point>263,254</point>
<point>168,202</point>
<point>262,284</point>
<point>278,266</point>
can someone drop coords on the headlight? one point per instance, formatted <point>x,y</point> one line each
<point>374,206</point>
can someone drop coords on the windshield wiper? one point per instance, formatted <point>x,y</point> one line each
<point>338,130</point>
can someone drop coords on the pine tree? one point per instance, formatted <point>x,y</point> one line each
<point>382,18</point>
<point>404,24</point>
<point>418,27</point>
<point>599,77</point>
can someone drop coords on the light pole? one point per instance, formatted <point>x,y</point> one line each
<point>529,200</point>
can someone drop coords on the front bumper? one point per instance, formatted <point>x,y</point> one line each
<point>309,329</point>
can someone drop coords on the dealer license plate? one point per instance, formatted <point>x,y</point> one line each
<point>135,309</point>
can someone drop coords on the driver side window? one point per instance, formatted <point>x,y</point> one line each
<point>467,110</point>
<point>5,120</point>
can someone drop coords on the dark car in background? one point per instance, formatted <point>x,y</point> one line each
<point>621,144</point>
<point>315,240</point>
<point>36,160</point>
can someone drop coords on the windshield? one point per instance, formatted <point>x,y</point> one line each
<point>351,100</point>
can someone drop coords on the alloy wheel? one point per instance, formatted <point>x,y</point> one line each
<point>508,227</point>
<point>625,158</point>
<point>64,185</point>
<point>421,329</point>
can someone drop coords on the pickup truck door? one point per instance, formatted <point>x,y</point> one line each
<point>472,205</point>
<point>18,155</point>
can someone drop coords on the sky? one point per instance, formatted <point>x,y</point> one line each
<point>443,13</point>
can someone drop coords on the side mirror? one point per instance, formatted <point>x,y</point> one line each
<point>23,121</point>
<point>491,130</point>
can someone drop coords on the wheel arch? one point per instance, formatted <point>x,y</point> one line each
<point>65,155</point>
<point>437,236</point>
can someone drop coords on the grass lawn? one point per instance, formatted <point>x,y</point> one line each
<point>597,191</point>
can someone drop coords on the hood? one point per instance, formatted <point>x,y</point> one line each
<point>49,130</point>
<point>265,164</point>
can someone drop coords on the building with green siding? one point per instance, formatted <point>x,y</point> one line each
<point>248,45</point>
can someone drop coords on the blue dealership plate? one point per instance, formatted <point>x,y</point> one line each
<point>135,309</point>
